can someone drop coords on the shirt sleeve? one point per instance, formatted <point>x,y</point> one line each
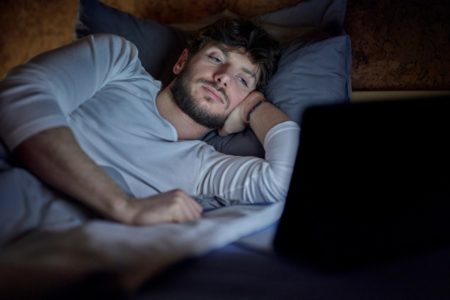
<point>42,93</point>
<point>251,179</point>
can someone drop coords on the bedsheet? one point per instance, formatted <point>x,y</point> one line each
<point>55,260</point>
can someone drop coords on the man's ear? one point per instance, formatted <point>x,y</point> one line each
<point>181,62</point>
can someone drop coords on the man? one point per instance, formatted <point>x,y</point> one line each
<point>88,121</point>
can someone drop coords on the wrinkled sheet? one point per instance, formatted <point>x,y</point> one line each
<point>131,255</point>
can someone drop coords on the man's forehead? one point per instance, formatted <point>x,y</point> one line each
<point>226,49</point>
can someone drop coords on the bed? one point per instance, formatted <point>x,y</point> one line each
<point>228,254</point>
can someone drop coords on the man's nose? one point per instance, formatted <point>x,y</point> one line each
<point>221,76</point>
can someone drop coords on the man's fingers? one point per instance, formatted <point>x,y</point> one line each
<point>173,206</point>
<point>185,208</point>
<point>223,132</point>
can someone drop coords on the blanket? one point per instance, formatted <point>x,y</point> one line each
<point>127,256</point>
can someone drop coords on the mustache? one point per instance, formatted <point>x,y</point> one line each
<point>216,87</point>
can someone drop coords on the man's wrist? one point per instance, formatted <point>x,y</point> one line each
<point>250,106</point>
<point>120,209</point>
<point>252,110</point>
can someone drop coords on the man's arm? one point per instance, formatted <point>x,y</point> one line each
<point>36,100</point>
<point>262,115</point>
<point>57,159</point>
<point>251,179</point>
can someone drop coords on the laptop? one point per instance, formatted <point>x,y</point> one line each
<point>371,182</point>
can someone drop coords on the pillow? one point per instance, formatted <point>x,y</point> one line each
<point>328,15</point>
<point>314,72</point>
<point>159,45</point>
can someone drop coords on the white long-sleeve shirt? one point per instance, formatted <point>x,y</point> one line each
<point>98,87</point>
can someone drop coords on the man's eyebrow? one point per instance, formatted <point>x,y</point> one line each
<point>222,49</point>
<point>247,71</point>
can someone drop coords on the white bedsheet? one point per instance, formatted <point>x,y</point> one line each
<point>133,254</point>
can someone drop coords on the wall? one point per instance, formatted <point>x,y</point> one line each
<point>397,45</point>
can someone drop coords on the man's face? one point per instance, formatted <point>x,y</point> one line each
<point>213,82</point>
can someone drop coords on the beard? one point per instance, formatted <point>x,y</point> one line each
<point>183,98</point>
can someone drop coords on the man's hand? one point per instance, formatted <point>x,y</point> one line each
<point>237,119</point>
<point>254,111</point>
<point>174,206</point>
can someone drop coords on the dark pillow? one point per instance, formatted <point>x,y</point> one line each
<point>312,73</point>
<point>327,15</point>
<point>309,73</point>
<point>159,45</point>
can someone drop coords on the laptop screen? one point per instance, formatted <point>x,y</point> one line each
<point>371,181</point>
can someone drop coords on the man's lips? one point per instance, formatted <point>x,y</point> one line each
<point>214,94</point>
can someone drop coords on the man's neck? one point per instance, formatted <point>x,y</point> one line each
<point>187,129</point>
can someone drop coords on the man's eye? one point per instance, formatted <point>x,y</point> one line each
<point>215,59</point>
<point>243,81</point>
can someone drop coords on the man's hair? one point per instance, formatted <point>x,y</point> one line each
<point>240,33</point>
